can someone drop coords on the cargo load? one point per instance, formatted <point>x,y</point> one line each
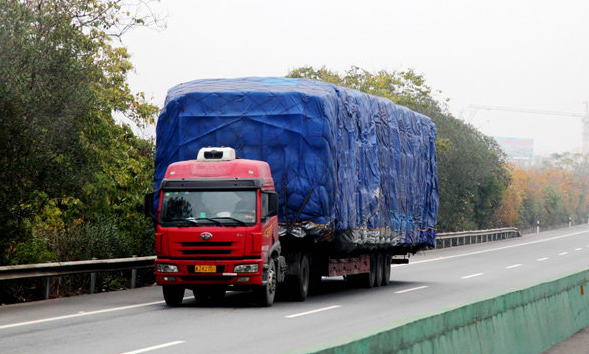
<point>351,170</point>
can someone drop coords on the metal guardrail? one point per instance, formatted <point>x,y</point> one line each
<point>452,239</point>
<point>48,270</point>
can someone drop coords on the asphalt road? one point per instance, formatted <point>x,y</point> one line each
<point>138,321</point>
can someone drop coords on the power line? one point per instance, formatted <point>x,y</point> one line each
<point>585,117</point>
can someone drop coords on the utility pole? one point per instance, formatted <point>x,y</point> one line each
<point>586,130</point>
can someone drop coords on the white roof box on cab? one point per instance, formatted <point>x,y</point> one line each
<point>216,154</point>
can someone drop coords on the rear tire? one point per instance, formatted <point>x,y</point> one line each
<point>379,269</point>
<point>173,295</point>
<point>300,283</point>
<point>266,293</point>
<point>386,278</point>
<point>368,280</point>
<point>372,274</point>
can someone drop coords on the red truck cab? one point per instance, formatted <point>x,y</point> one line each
<point>217,228</point>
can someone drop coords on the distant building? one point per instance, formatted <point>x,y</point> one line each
<point>519,151</point>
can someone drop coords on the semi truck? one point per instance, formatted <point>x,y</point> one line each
<point>267,184</point>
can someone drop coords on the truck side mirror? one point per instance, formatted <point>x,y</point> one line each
<point>272,204</point>
<point>148,205</point>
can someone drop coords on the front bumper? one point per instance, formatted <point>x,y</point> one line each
<point>225,274</point>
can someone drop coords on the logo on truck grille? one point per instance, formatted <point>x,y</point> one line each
<point>206,236</point>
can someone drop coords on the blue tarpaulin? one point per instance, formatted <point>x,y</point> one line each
<point>367,165</point>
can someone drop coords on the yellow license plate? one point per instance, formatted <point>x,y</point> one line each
<point>205,268</point>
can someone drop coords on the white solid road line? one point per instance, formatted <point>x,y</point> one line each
<point>155,347</point>
<point>578,249</point>
<point>497,249</point>
<point>542,259</point>
<point>472,275</point>
<point>79,314</point>
<point>313,311</point>
<point>412,289</point>
<point>563,253</point>
<point>513,266</point>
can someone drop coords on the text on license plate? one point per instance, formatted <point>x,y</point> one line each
<point>205,268</point>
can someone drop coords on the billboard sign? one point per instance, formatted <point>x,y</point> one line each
<point>516,148</point>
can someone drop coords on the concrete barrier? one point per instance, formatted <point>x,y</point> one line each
<point>524,321</point>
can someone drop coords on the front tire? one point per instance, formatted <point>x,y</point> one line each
<point>173,295</point>
<point>266,293</point>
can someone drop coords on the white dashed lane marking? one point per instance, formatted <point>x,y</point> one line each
<point>412,289</point>
<point>472,275</point>
<point>313,311</point>
<point>155,347</point>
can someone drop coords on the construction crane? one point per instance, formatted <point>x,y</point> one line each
<point>584,120</point>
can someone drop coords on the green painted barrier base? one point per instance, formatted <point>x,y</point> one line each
<point>525,321</point>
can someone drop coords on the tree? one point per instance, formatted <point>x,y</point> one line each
<point>65,160</point>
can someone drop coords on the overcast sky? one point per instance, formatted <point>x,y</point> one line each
<point>521,54</point>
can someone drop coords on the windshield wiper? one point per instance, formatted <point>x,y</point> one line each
<point>241,222</point>
<point>208,219</point>
<point>194,221</point>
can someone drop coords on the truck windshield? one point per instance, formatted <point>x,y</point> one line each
<point>220,208</point>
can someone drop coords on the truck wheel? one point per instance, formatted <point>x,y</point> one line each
<point>173,295</point>
<point>372,274</point>
<point>368,280</point>
<point>301,282</point>
<point>265,294</point>
<point>212,294</point>
<point>386,275</point>
<point>379,269</point>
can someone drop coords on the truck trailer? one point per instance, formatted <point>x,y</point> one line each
<point>269,184</point>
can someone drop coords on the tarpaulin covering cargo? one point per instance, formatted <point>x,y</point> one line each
<point>365,166</point>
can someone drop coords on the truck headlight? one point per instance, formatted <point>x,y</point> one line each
<point>246,268</point>
<point>167,268</point>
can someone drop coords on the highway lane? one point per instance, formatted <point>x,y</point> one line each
<point>137,321</point>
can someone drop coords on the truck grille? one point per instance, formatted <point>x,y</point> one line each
<point>206,252</point>
<point>206,244</point>
<point>207,248</point>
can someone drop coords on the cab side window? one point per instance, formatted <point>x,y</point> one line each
<point>264,207</point>
<point>269,205</point>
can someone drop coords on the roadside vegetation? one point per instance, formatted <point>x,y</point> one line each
<point>550,193</point>
<point>73,177</point>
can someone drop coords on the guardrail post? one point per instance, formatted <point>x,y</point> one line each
<point>47,288</point>
<point>93,280</point>
<point>133,275</point>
